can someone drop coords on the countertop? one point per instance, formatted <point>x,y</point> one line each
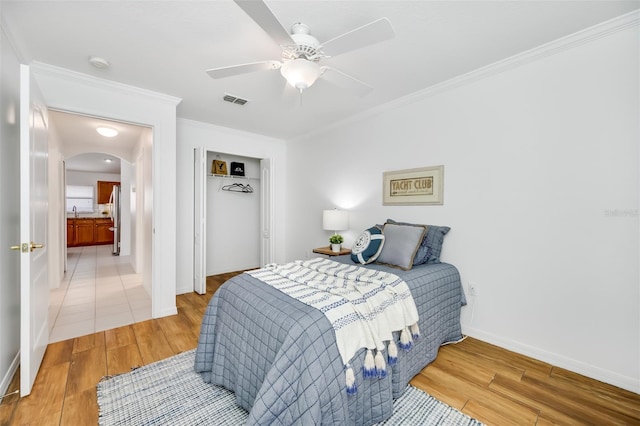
<point>88,216</point>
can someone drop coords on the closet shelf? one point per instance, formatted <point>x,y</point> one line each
<point>232,177</point>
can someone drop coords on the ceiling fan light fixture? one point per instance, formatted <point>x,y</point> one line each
<point>300,73</point>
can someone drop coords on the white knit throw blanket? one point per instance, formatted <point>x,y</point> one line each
<point>364,306</point>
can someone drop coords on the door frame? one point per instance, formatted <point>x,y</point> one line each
<point>83,94</point>
<point>267,231</point>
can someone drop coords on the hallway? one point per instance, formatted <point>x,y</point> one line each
<point>99,291</point>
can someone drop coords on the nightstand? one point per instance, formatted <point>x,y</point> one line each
<point>328,252</point>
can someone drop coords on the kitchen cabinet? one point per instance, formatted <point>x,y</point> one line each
<point>104,190</point>
<point>71,233</point>
<point>89,231</point>
<point>84,232</point>
<point>103,234</point>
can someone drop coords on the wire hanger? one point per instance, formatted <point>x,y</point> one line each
<point>238,187</point>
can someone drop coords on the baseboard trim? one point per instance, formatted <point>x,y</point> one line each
<point>591,371</point>
<point>6,380</point>
<point>184,289</point>
<point>166,312</point>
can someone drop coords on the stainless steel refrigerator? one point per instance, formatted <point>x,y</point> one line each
<point>114,213</point>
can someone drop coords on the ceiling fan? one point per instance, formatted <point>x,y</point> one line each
<point>302,52</point>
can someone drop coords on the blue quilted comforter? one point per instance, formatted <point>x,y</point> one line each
<point>280,357</point>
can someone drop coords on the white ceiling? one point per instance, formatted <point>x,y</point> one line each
<point>166,46</point>
<point>93,162</point>
<point>75,131</point>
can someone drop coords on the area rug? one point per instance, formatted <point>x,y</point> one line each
<point>170,392</point>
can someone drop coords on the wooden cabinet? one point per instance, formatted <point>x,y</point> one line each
<point>103,234</point>
<point>71,236</point>
<point>89,231</point>
<point>104,190</point>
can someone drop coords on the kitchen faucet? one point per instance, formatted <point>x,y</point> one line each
<point>75,211</point>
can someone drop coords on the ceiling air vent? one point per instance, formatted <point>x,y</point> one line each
<point>234,99</point>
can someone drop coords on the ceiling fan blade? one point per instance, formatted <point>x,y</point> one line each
<point>345,81</point>
<point>371,33</point>
<point>263,16</point>
<point>223,72</point>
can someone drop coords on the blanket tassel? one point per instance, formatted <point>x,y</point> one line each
<point>381,366</point>
<point>415,331</point>
<point>369,367</point>
<point>350,380</point>
<point>392,358</point>
<point>405,340</point>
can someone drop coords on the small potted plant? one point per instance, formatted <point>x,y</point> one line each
<point>336,240</point>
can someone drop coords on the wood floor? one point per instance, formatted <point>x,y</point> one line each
<point>493,385</point>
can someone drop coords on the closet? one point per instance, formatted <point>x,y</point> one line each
<point>233,237</point>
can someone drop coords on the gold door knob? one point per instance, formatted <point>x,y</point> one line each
<point>34,246</point>
<point>24,248</point>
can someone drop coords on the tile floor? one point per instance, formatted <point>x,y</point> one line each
<point>99,291</point>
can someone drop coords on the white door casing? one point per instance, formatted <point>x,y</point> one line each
<point>266,212</point>
<point>200,221</point>
<point>267,251</point>
<point>34,285</point>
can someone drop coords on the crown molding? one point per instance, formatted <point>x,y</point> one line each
<point>77,77</point>
<point>7,35</point>
<point>598,31</point>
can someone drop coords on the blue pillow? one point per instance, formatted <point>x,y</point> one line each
<point>431,246</point>
<point>367,246</point>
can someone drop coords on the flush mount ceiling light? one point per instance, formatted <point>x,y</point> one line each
<point>108,160</point>
<point>99,63</point>
<point>300,73</point>
<point>107,132</point>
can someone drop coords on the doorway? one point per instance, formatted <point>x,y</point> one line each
<point>232,214</point>
<point>98,290</point>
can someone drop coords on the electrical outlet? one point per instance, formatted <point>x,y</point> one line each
<point>473,288</point>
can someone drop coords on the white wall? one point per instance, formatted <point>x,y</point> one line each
<point>9,212</point>
<point>539,156</point>
<point>80,93</point>
<point>192,134</point>
<point>137,226</point>
<point>147,226</point>
<point>75,177</point>
<point>127,181</point>
<point>233,219</point>
<point>57,221</point>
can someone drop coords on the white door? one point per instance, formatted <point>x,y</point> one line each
<point>200,221</point>
<point>266,213</point>
<point>34,285</point>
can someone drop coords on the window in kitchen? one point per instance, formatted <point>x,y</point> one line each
<point>81,197</point>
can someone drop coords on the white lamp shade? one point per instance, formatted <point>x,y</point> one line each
<point>335,220</point>
<point>300,73</point>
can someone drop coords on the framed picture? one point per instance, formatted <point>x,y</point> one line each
<point>413,187</point>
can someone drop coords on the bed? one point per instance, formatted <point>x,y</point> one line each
<point>280,356</point>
